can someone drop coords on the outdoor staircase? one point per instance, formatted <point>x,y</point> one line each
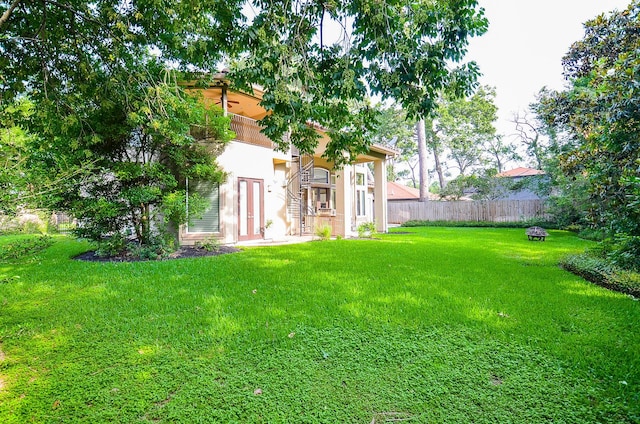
<point>299,181</point>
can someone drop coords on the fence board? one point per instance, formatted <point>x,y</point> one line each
<point>491,211</point>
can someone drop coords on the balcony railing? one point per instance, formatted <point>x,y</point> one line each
<point>248,131</point>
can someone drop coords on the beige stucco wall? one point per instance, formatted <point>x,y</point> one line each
<point>243,160</point>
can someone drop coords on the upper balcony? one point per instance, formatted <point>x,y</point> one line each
<point>248,131</point>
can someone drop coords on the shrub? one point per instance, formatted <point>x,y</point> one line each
<point>323,232</point>
<point>24,247</point>
<point>158,247</point>
<point>491,224</point>
<point>366,229</point>
<point>32,223</point>
<point>209,244</point>
<point>111,246</point>
<point>625,251</point>
<point>600,271</point>
<point>26,222</point>
<point>591,234</point>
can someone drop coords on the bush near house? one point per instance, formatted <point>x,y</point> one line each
<point>367,229</point>
<point>323,232</point>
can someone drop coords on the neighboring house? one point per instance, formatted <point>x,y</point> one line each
<point>522,183</point>
<point>398,192</point>
<point>401,193</point>
<point>273,194</point>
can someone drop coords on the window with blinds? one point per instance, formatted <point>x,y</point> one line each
<point>210,220</point>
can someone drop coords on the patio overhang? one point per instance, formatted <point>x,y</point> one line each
<point>376,152</point>
<point>238,102</point>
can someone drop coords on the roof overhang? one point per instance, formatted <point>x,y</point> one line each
<point>248,104</point>
<point>238,102</point>
<point>377,152</point>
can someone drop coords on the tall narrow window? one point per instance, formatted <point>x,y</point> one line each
<point>209,222</point>
<point>360,203</point>
<point>361,193</point>
<point>257,213</point>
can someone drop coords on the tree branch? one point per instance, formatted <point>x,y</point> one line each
<point>5,16</point>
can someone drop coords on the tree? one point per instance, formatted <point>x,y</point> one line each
<point>108,115</point>
<point>394,129</point>
<point>465,125</point>
<point>139,175</point>
<point>422,159</point>
<point>531,133</point>
<point>96,72</point>
<point>21,189</point>
<point>598,118</point>
<point>394,49</point>
<point>13,145</point>
<point>485,185</point>
<point>499,153</point>
<point>435,144</point>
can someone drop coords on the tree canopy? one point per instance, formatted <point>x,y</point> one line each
<point>394,129</point>
<point>597,121</point>
<point>406,51</point>
<point>465,126</point>
<point>103,79</point>
<point>396,49</point>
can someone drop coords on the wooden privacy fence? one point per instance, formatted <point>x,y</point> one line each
<point>491,210</point>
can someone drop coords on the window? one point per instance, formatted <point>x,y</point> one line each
<point>209,222</point>
<point>322,195</point>
<point>361,195</point>
<point>320,176</point>
<point>360,203</point>
<point>322,192</point>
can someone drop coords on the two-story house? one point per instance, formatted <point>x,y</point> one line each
<point>274,194</point>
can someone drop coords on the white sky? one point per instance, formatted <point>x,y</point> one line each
<point>523,49</point>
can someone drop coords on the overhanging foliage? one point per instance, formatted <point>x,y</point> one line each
<point>95,72</point>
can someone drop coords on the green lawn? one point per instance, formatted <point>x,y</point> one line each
<point>440,325</point>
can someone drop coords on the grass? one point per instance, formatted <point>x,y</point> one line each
<point>440,325</point>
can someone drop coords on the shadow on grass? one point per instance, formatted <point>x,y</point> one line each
<point>439,325</point>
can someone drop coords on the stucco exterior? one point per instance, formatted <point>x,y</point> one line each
<point>269,194</point>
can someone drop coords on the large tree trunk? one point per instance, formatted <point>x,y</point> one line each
<point>422,159</point>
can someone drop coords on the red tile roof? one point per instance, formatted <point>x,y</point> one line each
<point>397,191</point>
<point>521,172</point>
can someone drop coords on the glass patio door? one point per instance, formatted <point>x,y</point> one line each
<point>250,208</point>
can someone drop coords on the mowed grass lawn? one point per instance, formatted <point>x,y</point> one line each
<point>441,325</point>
